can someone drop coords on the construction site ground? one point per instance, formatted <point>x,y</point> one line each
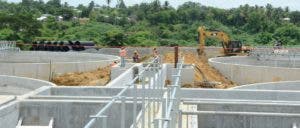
<point>99,77</point>
<point>204,71</point>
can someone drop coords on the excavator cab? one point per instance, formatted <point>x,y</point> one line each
<point>234,46</point>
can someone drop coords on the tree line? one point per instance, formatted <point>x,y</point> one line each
<point>146,24</point>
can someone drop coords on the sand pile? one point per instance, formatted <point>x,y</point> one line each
<point>98,77</point>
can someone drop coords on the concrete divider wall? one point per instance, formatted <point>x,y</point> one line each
<point>242,121</point>
<point>249,107</point>
<point>83,91</point>
<point>9,115</point>
<point>236,94</point>
<point>187,73</point>
<point>72,114</point>
<point>12,85</point>
<point>94,92</point>
<point>248,74</point>
<point>125,75</point>
<point>286,85</point>
<point>40,67</point>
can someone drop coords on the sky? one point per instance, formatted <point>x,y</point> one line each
<point>226,4</point>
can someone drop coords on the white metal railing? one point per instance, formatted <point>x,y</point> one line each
<point>8,46</point>
<point>269,55</point>
<point>170,108</point>
<point>151,74</point>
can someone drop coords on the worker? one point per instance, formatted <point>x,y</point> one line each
<point>155,55</point>
<point>123,54</point>
<point>135,57</point>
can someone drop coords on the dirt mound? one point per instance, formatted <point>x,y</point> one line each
<point>204,73</point>
<point>98,77</point>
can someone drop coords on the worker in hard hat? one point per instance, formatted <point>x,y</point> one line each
<point>155,55</point>
<point>135,57</point>
<point>123,54</point>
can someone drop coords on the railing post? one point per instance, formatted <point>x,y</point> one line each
<point>163,108</point>
<point>123,108</point>
<point>154,92</point>
<point>149,114</point>
<point>104,122</point>
<point>143,100</point>
<point>156,123</point>
<point>134,105</point>
<point>180,119</point>
<point>158,91</point>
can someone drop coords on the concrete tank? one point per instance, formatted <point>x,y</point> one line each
<point>12,85</point>
<point>248,70</point>
<point>43,65</point>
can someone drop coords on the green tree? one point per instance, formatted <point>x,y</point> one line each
<point>114,38</point>
<point>264,38</point>
<point>295,17</point>
<point>288,34</point>
<point>67,13</point>
<point>7,34</point>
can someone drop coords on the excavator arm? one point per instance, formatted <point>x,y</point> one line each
<point>203,34</point>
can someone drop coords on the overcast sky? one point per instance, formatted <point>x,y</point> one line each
<point>292,4</point>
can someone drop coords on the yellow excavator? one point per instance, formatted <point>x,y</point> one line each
<point>231,48</point>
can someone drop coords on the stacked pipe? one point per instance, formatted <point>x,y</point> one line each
<point>59,46</point>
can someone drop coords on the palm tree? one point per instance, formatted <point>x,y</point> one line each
<point>121,4</point>
<point>166,4</point>
<point>108,2</point>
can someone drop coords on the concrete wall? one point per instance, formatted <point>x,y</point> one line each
<point>248,114</point>
<point>187,73</point>
<point>244,108</point>
<point>37,64</point>
<point>72,114</point>
<point>12,85</point>
<point>287,85</point>
<point>9,115</point>
<point>46,57</point>
<point>81,91</point>
<point>236,94</point>
<point>241,71</point>
<point>145,51</point>
<point>117,71</point>
<point>122,76</point>
<point>91,92</point>
<point>241,121</point>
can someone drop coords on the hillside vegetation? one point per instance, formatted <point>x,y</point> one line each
<point>146,24</point>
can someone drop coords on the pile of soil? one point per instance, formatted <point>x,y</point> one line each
<point>204,71</point>
<point>99,77</point>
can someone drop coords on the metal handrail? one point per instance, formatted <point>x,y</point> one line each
<point>173,99</point>
<point>118,96</point>
<point>8,46</point>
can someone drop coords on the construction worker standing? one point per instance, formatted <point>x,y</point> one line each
<point>135,57</point>
<point>155,55</point>
<point>123,54</point>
